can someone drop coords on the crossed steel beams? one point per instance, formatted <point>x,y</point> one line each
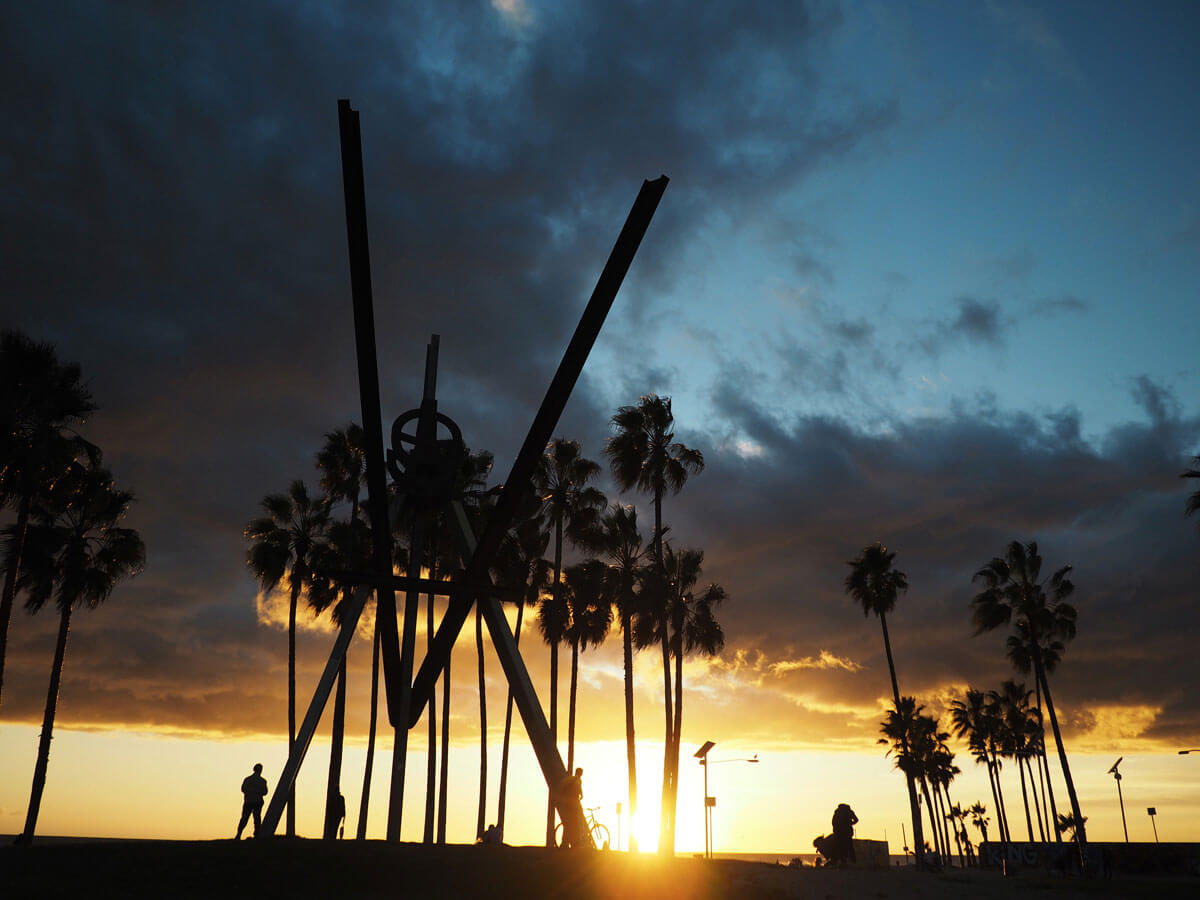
<point>405,703</point>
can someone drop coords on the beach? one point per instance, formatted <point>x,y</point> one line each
<point>299,868</point>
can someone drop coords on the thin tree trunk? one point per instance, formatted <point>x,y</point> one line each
<point>571,707</point>
<point>1038,806</point>
<point>1002,809</point>
<point>1080,832</point>
<point>364,804</point>
<point>554,738</point>
<point>508,733</point>
<point>556,592</point>
<point>431,754</point>
<point>43,757</point>
<point>1048,785</point>
<point>913,805</point>
<point>481,815</point>
<point>993,778</point>
<point>937,834</point>
<point>295,594</point>
<point>10,578</point>
<point>444,774</point>
<point>630,742</point>
<point>665,826</point>
<point>1025,798</point>
<point>676,731</point>
<point>333,786</point>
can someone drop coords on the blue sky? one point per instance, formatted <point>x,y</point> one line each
<point>924,274</point>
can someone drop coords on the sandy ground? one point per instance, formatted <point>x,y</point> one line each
<point>313,869</point>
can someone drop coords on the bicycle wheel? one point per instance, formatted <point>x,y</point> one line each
<point>558,834</point>
<point>600,837</point>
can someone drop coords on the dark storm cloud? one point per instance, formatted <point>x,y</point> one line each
<point>948,494</point>
<point>173,220</point>
<point>974,321</point>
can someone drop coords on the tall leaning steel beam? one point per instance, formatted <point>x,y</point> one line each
<point>368,390</point>
<point>539,435</point>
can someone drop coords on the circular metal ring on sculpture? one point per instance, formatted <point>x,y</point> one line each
<point>401,454</point>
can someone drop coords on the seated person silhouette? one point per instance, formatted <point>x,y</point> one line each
<point>254,789</point>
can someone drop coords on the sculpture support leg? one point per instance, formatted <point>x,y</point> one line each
<point>308,727</point>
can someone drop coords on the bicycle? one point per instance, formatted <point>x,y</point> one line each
<point>597,832</point>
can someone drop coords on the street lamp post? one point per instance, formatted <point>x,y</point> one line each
<point>702,755</point>
<point>710,802</point>
<point>1117,775</point>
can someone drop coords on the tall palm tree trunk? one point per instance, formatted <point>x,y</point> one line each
<point>1037,806</point>
<point>556,590</point>
<point>333,785</point>
<point>481,814</point>
<point>43,757</point>
<point>571,706</point>
<point>666,828</point>
<point>1025,798</point>
<point>364,803</point>
<point>554,738</point>
<point>630,742</point>
<point>1080,833</point>
<point>10,578</point>
<point>291,803</point>
<point>913,805</point>
<point>993,778</point>
<point>676,730</point>
<point>1001,807</point>
<point>943,818</point>
<point>507,734</point>
<point>431,754</point>
<point>444,774</point>
<point>1048,784</point>
<point>937,834</point>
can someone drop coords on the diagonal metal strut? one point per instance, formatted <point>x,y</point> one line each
<point>539,435</point>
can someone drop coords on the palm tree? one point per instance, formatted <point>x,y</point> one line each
<point>1011,706</point>
<point>1020,654</point>
<point>979,819</point>
<point>41,400</point>
<point>1193,502</point>
<point>342,461</point>
<point>282,544</point>
<point>77,554</point>
<point>644,454</point>
<point>347,547</point>
<point>902,731</point>
<point>973,718</point>
<point>694,629</point>
<point>572,509</point>
<point>589,616</point>
<point>875,584</point>
<point>524,569</point>
<point>1012,589</point>
<point>1068,822</point>
<point>620,542</point>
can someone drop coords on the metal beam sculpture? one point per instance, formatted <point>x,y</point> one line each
<point>423,466</point>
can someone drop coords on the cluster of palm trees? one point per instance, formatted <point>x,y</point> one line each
<point>65,546</point>
<point>997,725</point>
<point>651,590</point>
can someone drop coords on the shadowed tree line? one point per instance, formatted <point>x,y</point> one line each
<point>582,563</point>
<point>66,547</point>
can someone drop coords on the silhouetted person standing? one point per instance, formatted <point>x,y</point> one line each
<point>254,789</point>
<point>570,791</point>
<point>844,821</point>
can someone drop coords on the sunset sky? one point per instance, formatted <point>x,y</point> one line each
<point>924,274</point>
